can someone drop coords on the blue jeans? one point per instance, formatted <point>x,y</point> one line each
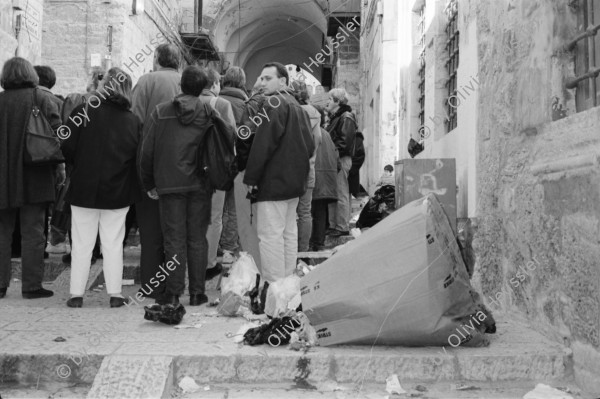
<point>185,218</point>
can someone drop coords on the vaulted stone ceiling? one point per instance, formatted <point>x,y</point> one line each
<point>253,32</point>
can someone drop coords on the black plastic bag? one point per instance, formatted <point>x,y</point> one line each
<point>257,305</point>
<point>167,314</point>
<point>379,206</point>
<point>276,333</point>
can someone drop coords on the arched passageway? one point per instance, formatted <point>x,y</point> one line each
<point>250,33</point>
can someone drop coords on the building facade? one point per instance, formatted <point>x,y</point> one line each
<point>510,89</point>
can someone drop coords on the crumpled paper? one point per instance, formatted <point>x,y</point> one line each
<point>188,385</point>
<point>392,385</point>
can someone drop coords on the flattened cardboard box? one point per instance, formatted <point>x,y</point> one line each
<point>403,282</point>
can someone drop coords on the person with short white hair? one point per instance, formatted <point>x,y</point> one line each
<point>342,128</point>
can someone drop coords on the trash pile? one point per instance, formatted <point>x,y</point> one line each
<point>242,293</point>
<point>402,282</point>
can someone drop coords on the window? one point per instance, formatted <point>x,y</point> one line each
<point>452,35</point>
<point>587,56</point>
<point>421,33</point>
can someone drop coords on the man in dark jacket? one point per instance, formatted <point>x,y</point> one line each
<point>342,128</point>
<point>278,165</point>
<point>170,174</point>
<point>152,89</point>
<point>357,161</point>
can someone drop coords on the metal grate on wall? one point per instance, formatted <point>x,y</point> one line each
<point>421,32</point>
<point>587,55</point>
<point>452,36</point>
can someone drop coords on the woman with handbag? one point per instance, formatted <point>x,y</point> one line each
<point>102,151</point>
<point>29,155</point>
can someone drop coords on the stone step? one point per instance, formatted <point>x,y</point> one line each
<point>31,351</point>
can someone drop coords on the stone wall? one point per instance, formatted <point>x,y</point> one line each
<point>28,44</point>
<point>76,29</point>
<point>538,180</point>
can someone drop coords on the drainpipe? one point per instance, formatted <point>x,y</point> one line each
<point>197,15</point>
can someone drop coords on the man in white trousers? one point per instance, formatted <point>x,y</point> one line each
<point>278,167</point>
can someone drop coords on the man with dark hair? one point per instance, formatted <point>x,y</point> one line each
<point>154,88</point>
<point>278,167</point>
<point>169,174</point>
<point>210,97</point>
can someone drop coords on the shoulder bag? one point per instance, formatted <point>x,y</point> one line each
<point>42,146</point>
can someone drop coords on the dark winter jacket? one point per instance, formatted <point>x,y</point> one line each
<point>342,128</point>
<point>103,154</point>
<point>326,170</point>
<point>279,157</point>
<point>237,98</point>
<point>21,184</point>
<point>247,129</point>
<point>170,144</point>
<point>357,161</point>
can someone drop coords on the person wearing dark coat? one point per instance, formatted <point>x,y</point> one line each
<point>102,151</point>
<point>152,89</point>
<point>342,128</point>
<point>170,174</point>
<point>325,191</point>
<point>278,168</point>
<point>232,91</point>
<point>357,161</point>
<point>24,189</point>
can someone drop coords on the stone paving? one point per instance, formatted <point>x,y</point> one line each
<point>50,350</point>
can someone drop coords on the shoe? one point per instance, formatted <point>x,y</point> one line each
<point>59,248</point>
<point>36,294</point>
<point>3,292</point>
<point>213,272</point>
<point>75,302</point>
<point>198,299</point>
<point>117,301</point>
<point>168,299</point>
<point>338,233</point>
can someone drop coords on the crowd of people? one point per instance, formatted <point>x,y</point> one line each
<point>131,156</point>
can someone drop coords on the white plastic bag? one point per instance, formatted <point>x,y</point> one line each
<point>242,276</point>
<point>280,294</point>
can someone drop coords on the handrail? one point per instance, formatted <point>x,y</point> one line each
<point>591,31</point>
<point>572,83</point>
